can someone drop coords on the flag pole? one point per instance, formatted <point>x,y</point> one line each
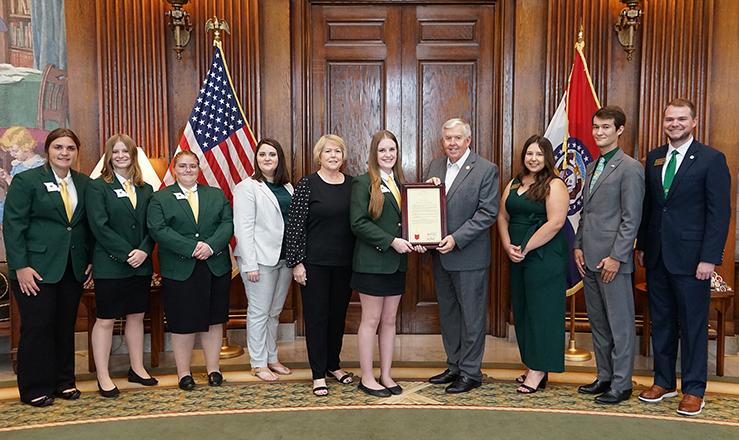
<point>573,353</point>
<point>216,25</point>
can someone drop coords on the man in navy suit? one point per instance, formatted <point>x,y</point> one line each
<point>681,239</point>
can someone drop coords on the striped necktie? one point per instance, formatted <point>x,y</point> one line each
<point>598,170</point>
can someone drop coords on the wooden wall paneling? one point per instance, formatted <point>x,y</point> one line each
<point>132,73</point>
<point>723,94</point>
<point>83,79</point>
<point>676,60</point>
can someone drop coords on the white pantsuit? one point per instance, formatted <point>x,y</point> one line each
<point>259,228</point>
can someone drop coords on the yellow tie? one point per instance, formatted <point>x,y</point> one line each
<point>393,189</point>
<point>131,192</point>
<point>65,199</point>
<point>192,199</point>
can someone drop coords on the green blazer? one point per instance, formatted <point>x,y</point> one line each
<point>118,228</point>
<point>36,229</point>
<point>172,224</point>
<point>372,251</point>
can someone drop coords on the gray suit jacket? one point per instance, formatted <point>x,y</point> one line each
<point>471,209</point>
<point>611,213</point>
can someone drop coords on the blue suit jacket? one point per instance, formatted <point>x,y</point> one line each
<point>691,225</point>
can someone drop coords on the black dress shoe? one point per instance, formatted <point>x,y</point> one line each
<point>446,377</point>
<point>383,392</point>
<point>108,393</point>
<point>41,402</point>
<point>135,378</point>
<point>395,390</point>
<point>186,383</point>
<point>215,379</point>
<point>68,395</point>
<point>462,385</point>
<point>612,397</point>
<point>597,387</point>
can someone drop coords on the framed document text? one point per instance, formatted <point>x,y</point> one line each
<point>424,213</point>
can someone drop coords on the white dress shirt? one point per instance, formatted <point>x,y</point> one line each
<point>71,190</point>
<point>681,152</point>
<point>452,169</point>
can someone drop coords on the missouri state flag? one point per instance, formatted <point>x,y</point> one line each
<point>570,132</point>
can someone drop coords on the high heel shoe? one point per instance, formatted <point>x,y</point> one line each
<point>108,393</point>
<point>135,378</point>
<point>531,390</point>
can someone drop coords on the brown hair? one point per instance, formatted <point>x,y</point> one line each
<point>282,175</point>
<point>611,112</point>
<point>373,170</point>
<point>60,133</point>
<point>539,190</point>
<point>134,171</point>
<point>682,102</point>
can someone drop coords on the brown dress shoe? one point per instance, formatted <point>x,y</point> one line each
<point>690,405</point>
<point>656,393</point>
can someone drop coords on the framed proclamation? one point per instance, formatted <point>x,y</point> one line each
<point>424,213</point>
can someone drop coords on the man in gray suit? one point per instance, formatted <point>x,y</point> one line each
<point>604,249</point>
<point>462,260</point>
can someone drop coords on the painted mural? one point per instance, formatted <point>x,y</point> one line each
<point>33,91</point>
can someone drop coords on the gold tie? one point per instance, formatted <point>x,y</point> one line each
<point>393,189</point>
<point>131,192</point>
<point>192,199</point>
<point>65,199</point>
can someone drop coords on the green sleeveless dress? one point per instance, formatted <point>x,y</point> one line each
<point>538,286</point>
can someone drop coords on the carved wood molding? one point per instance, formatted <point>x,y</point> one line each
<point>132,73</point>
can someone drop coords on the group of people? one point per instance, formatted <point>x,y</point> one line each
<point>674,211</point>
<point>334,233</point>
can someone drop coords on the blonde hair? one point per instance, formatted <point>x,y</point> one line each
<point>377,200</point>
<point>134,171</point>
<point>19,136</point>
<point>322,143</point>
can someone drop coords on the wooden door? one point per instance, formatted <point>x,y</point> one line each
<point>407,68</point>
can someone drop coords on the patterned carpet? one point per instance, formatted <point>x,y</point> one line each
<point>296,395</point>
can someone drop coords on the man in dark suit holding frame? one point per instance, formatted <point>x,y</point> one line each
<point>681,240</point>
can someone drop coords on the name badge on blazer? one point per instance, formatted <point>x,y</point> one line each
<point>180,196</point>
<point>51,187</point>
<point>659,162</point>
<point>121,193</point>
<point>384,189</point>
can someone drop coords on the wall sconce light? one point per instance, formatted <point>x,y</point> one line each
<point>179,21</point>
<point>627,24</point>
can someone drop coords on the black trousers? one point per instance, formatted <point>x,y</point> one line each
<point>46,347</point>
<point>326,297</point>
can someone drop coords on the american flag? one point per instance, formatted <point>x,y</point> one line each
<point>217,132</point>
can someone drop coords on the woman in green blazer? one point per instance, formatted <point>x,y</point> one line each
<point>193,225</point>
<point>379,262</point>
<point>117,203</point>
<point>47,241</point>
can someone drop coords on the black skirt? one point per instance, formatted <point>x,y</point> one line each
<point>378,284</point>
<point>193,305</point>
<point>118,297</point>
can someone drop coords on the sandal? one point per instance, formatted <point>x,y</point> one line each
<point>320,390</point>
<point>280,369</point>
<point>345,379</point>
<point>264,374</point>
<point>525,389</point>
<point>521,378</point>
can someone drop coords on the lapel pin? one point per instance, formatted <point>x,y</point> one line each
<point>467,167</point>
<point>692,157</point>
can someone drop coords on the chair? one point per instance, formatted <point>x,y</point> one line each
<point>53,97</point>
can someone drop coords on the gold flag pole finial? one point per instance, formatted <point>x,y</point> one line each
<point>216,25</point>
<point>580,37</point>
